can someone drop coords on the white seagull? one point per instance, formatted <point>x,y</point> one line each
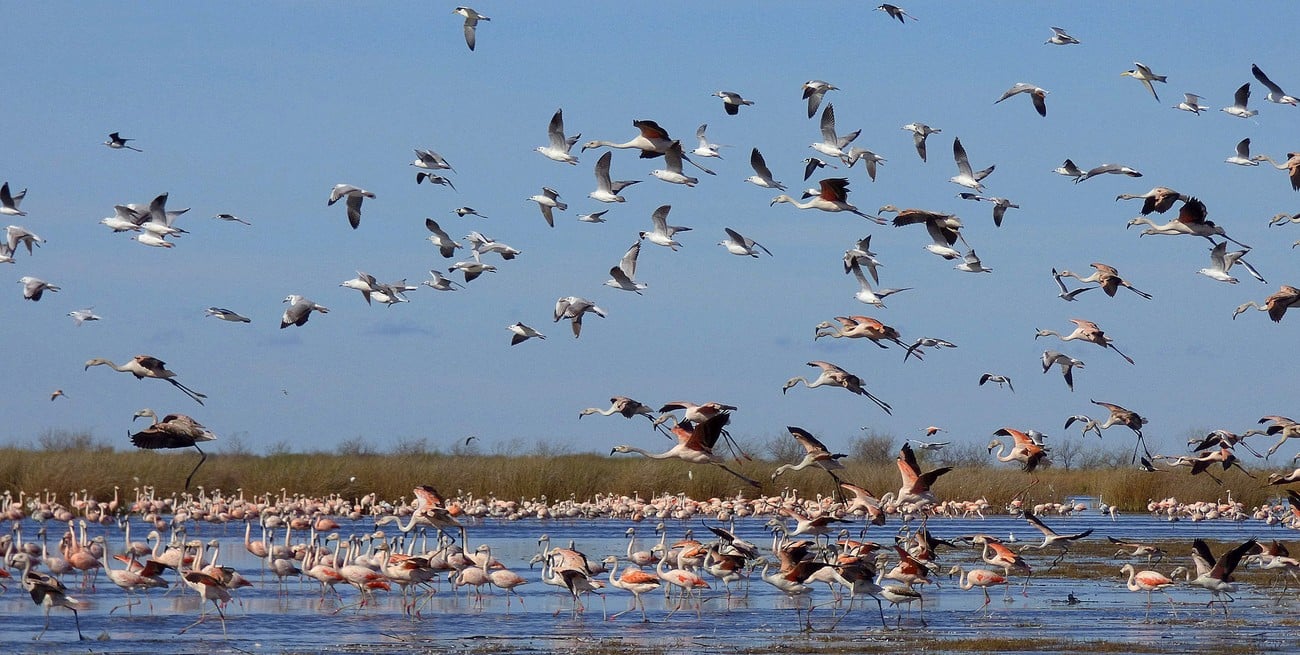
<point>80,316</point>
<point>1275,92</point>
<point>813,91</point>
<point>548,200</point>
<point>226,315</point>
<point>299,310</point>
<point>965,175</point>
<point>672,170</point>
<point>1222,261</point>
<point>573,308</point>
<point>431,161</point>
<point>34,287</point>
<point>1143,74</point>
<point>354,195</point>
<point>739,244</point>
<point>920,132</point>
<point>762,174</point>
<point>623,276</point>
<point>1038,94</point>
<point>608,190</point>
<point>439,283</point>
<point>662,234</point>
<point>1242,156</point>
<point>1191,102</point>
<point>446,245</point>
<point>522,333</point>
<point>732,101</point>
<point>1059,37</point>
<point>705,149</point>
<point>1239,100</point>
<point>560,145</point>
<point>471,22</point>
<point>832,145</point>
<point>9,202</point>
<point>866,294</point>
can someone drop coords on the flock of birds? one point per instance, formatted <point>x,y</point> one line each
<point>700,430</point>
<point>429,543</point>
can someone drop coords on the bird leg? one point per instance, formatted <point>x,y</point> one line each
<point>1021,494</point>
<point>188,391</point>
<point>196,466</point>
<point>752,483</point>
<point>1126,357</point>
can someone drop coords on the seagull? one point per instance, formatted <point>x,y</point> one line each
<point>9,202</point>
<point>895,11</point>
<point>1191,102</point>
<point>231,218</point>
<point>299,310</point>
<point>865,293</point>
<point>623,276</point>
<point>573,308</point>
<point>433,178</point>
<point>80,316</point>
<point>467,211</point>
<point>1059,37</point>
<point>739,244</point>
<point>861,254</point>
<point>933,446</point>
<point>354,195</point>
<point>471,22</point>
<point>999,379</point>
<point>124,219</point>
<point>560,145</point>
<point>116,142</point>
<point>607,190</point>
<point>34,287</point>
<point>431,161</point>
<point>672,170</point>
<point>1142,73</point>
<point>813,90</point>
<point>363,282</point>
<point>446,246</point>
<point>920,131</point>
<point>1067,364</point>
<point>472,270</point>
<point>972,264</point>
<point>16,235</point>
<point>731,101</point>
<point>1000,205</point>
<point>1242,156</point>
<point>1069,169</point>
<point>762,174</point>
<point>832,145</point>
<point>926,342</point>
<point>56,394</point>
<point>1275,92</point>
<point>522,333</point>
<point>811,165</point>
<point>1222,261</point>
<point>1114,169</point>
<point>1239,100</point>
<point>226,315</point>
<point>662,234</point>
<point>594,217</point>
<point>965,177</point>
<point>439,283</point>
<point>482,245</point>
<point>1038,93</point>
<point>871,159</point>
<point>547,200</point>
<point>1066,294</point>
<point>705,149</point>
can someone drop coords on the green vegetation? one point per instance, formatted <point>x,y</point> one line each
<point>66,462</point>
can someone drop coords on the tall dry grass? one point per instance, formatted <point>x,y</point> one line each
<point>73,463</point>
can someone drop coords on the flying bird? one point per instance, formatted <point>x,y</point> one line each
<point>299,310</point>
<point>430,161</point>
<point>1276,304</point>
<point>762,174</point>
<point>1059,37</point>
<point>354,195</point>
<point>965,175</point>
<point>117,142</point>
<point>608,190</point>
<point>1066,294</point>
<point>173,431</point>
<point>1239,100</point>
<point>662,233</point>
<point>739,244</point>
<point>573,308</point>
<point>522,333</point>
<point>894,11</point>
<point>231,218</point>
<point>813,91</point>
<point>471,23</point>
<point>547,200</point>
<point>226,315</point>
<point>1112,169</point>
<point>997,378</point>
<point>1038,94</point>
<point>732,101</point>
<point>559,146</point>
<point>9,202</point>
<point>34,288</point>
<point>1275,92</point>
<point>623,276</point>
<point>446,245</point>
<point>147,366</point>
<point>80,316</point>
<point>835,376</point>
<point>920,132</point>
<point>1067,364</point>
<point>1143,74</point>
<point>1191,102</point>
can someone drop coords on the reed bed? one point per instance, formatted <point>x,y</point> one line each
<point>540,472</point>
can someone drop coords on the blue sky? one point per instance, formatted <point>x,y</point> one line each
<point>258,109</point>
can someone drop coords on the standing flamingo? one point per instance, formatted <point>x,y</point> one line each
<point>982,578</point>
<point>1149,581</point>
<point>633,580</point>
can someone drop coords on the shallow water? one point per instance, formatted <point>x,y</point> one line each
<point>760,619</point>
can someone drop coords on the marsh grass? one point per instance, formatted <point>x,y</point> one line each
<point>65,465</point>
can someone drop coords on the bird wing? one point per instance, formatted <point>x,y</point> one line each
<point>354,210</point>
<point>1217,258</point>
<point>1242,96</point>
<point>650,129</point>
<point>555,130</point>
<point>828,124</point>
<point>807,440</point>
<point>1020,87</point>
<point>907,465</point>
<point>1202,557</point>
<point>834,189</point>
<point>602,172</point>
<point>1263,79</point>
<point>660,219</point>
<point>1229,561</point>
<point>1192,212</point>
<point>760,166</point>
<point>959,154</point>
<point>673,157</point>
<point>628,264</point>
<point>1034,521</point>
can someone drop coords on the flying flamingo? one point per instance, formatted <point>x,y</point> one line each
<point>1127,418</point>
<point>855,327</point>
<point>695,444</point>
<point>916,485</point>
<point>832,197</point>
<point>1276,304</point>
<point>1024,449</point>
<point>817,453</point>
<point>1084,331</point>
<point>173,431</point>
<point>148,366</point>
<point>1191,220</point>
<point>49,593</point>
<point>835,376</point>
<point>653,141</point>
<point>1149,581</point>
<point>1107,277</point>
